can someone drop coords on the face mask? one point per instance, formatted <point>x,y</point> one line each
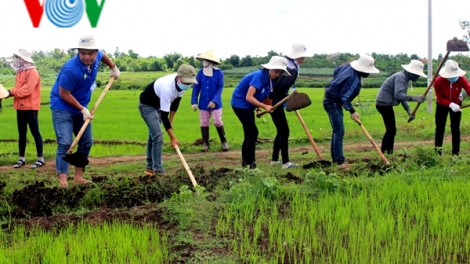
<point>414,77</point>
<point>452,80</point>
<point>184,87</point>
<point>363,74</point>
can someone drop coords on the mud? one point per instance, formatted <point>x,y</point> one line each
<point>141,215</point>
<point>292,177</point>
<point>318,164</point>
<point>39,199</point>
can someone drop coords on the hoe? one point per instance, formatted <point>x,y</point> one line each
<point>452,45</point>
<point>77,159</point>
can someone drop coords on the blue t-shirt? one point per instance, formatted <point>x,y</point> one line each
<point>258,79</point>
<point>77,78</point>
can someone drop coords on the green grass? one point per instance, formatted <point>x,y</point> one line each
<point>114,243</point>
<point>404,217</point>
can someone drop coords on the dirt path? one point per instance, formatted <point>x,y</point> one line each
<point>230,157</point>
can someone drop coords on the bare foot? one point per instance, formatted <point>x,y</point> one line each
<point>81,181</point>
<point>63,180</point>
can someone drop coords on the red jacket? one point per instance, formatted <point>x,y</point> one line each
<point>447,92</point>
<point>27,90</point>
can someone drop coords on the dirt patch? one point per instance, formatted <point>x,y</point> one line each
<point>40,199</point>
<point>292,177</point>
<point>317,164</point>
<point>141,215</point>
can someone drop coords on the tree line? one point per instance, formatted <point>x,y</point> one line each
<point>52,61</point>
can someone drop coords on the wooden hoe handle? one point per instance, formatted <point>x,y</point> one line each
<point>430,84</point>
<point>84,126</point>
<point>373,142</point>
<point>186,167</point>
<point>276,105</point>
<point>309,135</point>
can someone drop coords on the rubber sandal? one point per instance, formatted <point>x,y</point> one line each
<point>38,164</point>
<point>19,164</point>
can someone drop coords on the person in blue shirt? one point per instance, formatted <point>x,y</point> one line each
<point>69,100</point>
<point>209,87</point>
<point>250,94</point>
<point>295,58</point>
<point>339,94</point>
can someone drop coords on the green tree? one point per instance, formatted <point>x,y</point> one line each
<point>133,55</point>
<point>246,61</point>
<point>465,25</point>
<point>234,60</point>
<point>171,59</point>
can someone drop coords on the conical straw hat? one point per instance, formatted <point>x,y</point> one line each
<point>208,55</point>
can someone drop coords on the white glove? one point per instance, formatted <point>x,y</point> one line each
<point>455,107</point>
<point>194,106</point>
<point>355,116</point>
<point>211,105</point>
<point>86,114</point>
<point>115,72</point>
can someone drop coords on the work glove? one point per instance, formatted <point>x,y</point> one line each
<point>194,106</point>
<point>211,105</point>
<point>410,114</point>
<point>86,114</point>
<point>455,107</point>
<point>355,116</point>
<point>419,98</point>
<point>115,72</point>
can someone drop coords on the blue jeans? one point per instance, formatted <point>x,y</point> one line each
<point>335,113</point>
<point>152,118</point>
<point>65,124</point>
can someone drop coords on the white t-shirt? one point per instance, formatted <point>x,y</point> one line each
<point>165,89</point>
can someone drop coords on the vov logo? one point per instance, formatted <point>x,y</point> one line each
<point>64,13</point>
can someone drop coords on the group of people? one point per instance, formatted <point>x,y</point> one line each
<point>261,89</point>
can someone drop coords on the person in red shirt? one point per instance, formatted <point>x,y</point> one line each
<point>448,88</point>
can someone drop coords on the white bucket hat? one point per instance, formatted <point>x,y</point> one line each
<point>298,51</point>
<point>3,92</point>
<point>451,70</point>
<point>277,63</point>
<point>88,43</point>
<point>415,67</point>
<point>208,55</point>
<point>24,54</point>
<point>365,64</point>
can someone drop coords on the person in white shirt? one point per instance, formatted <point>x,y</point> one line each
<point>158,104</point>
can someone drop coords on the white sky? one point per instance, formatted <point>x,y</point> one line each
<point>246,27</point>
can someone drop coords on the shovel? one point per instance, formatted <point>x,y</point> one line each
<point>77,159</point>
<point>373,142</point>
<point>295,101</point>
<point>322,161</point>
<point>276,105</point>
<point>452,45</point>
